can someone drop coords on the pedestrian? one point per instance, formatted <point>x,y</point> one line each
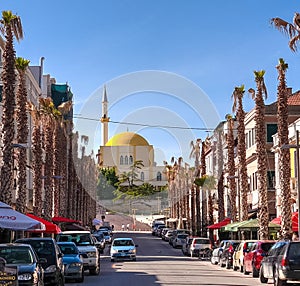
<point>295,236</point>
<point>123,227</point>
<point>112,227</point>
<point>127,226</point>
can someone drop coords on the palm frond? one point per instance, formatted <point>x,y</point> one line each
<point>251,91</point>
<point>282,25</point>
<point>293,43</point>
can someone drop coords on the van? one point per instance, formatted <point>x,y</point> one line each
<point>86,244</point>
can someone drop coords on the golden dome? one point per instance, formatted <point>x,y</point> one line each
<point>127,139</point>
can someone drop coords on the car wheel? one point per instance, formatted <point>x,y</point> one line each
<point>81,279</point>
<point>277,280</point>
<point>255,272</point>
<point>227,264</point>
<point>245,271</point>
<point>95,270</point>
<point>262,278</point>
<point>61,281</point>
<point>112,260</point>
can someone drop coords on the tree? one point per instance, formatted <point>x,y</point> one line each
<point>196,152</point>
<point>260,139</point>
<point>22,134</point>
<point>284,154</point>
<point>107,183</point>
<point>237,96</point>
<point>11,28</point>
<point>292,30</point>
<point>37,161</point>
<point>231,166</point>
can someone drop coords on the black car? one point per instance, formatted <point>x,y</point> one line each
<point>226,256</point>
<point>287,265</point>
<point>22,256</point>
<point>268,263</point>
<point>99,241</point>
<point>46,247</point>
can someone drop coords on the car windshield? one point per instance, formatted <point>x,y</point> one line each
<point>294,251</point>
<point>126,242</point>
<point>16,255</point>
<point>68,249</point>
<point>201,241</point>
<point>266,246</point>
<point>77,238</point>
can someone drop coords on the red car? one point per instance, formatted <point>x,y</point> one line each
<point>254,256</point>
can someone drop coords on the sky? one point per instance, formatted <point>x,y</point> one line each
<point>169,66</point>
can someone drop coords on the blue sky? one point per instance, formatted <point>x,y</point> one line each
<point>214,45</point>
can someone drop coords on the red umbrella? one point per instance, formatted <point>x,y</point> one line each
<point>59,219</point>
<point>218,225</point>
<point>277,220</point>
<point>49,226</point>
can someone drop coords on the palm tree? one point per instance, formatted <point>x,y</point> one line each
<point>11,28</point>
<point>237,96</point>
<point>231,166</point>
<point>292,30</point>
<point>22,133</point>
<point>196,152</point>
<point>220,175</point>
<point>37,162</point>
<point>260,138</point>
<point>284,154</point>
<point>49,112</point>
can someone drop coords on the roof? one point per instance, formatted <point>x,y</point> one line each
<point>127,139</point>
<point>294,99</point>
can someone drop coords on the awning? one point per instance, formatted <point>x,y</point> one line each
<point>13,220</point>
<point>59,219</point>
<point>277,221</point>
<point>218,225</point>
<point>246,225</point>
<point>49,226</point>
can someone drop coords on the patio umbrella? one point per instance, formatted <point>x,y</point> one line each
<point>218,225</point>
<point>277,220</point>
<point>49,226</point>
<point>13,220</point>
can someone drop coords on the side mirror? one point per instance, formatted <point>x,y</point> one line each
<point>83,255</point>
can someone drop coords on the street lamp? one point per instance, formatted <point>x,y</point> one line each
<point>296,146</point>
<point>239,193</point>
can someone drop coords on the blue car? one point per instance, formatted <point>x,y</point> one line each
<point>72,260</point>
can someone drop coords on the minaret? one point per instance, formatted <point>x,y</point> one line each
<point>104,118</point>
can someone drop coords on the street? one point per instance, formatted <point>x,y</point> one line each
<point>160,264</point>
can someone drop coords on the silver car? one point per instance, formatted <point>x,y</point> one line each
<point>123,248</point>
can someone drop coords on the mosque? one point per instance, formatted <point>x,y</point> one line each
<point>123,149</point>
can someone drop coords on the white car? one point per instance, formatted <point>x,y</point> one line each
<point>123,248</point>
<point>86,244</point>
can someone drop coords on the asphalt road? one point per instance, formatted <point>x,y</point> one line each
<point>161,265</point>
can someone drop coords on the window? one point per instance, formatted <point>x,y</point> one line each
<point>126,160</point>
<point>271,180</point>
<point>121,160</point>
<point>158,176</point>
<point>142,176</point>
<point>271,130</point>
<point>130,160</point>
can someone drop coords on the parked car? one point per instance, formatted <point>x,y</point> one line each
<point>123,248</point>
<point>215,258</point>
<point>22,256</point>
<point>287,265</point>
<point>253,257</point>
<point>47,248</point>
<point>164,232</point>
<point>155,226</point>
<point>157,230</point>
<point>197,244</point>
<point>72,260</point>
<point>168,234</point>
<point>238,255</point>
<point>86,244</point>
<point>179,240</point>
<point>226,256</point>
<point>175,233</point>
<point>107,236</point>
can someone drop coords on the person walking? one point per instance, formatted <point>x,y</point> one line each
<point>123,227</point>
<point>127,226</point>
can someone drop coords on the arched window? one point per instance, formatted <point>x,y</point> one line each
<point>158,176</point>
<point>142,176</point>
<point>130,160</point>
<point>121,160</point>
<point>126,160</point>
